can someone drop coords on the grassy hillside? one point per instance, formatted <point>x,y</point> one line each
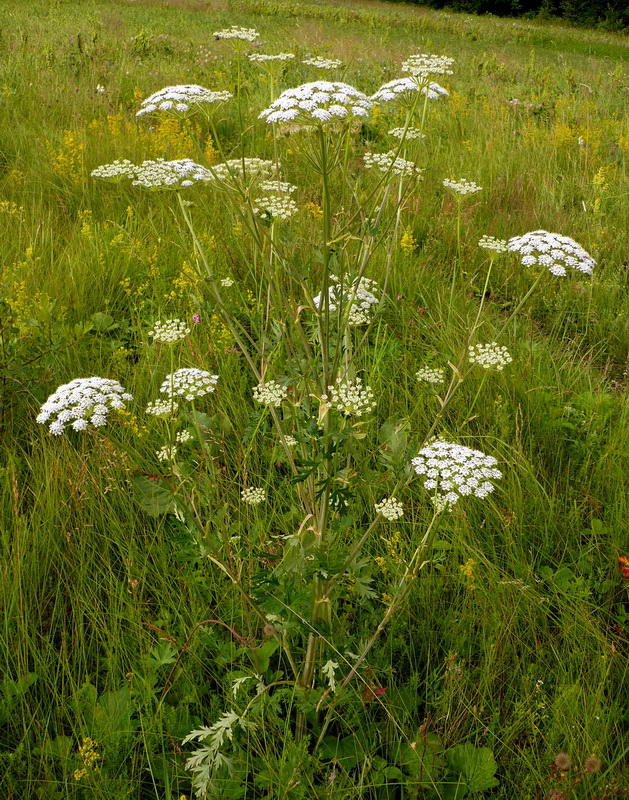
<point>478,650</point>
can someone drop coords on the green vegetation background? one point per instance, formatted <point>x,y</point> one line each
<point>515,639</point>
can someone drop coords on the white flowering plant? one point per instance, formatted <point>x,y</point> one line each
<point>274,483</point>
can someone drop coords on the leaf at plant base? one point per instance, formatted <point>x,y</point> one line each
<point>347,752</point>
<point>152,496</point>
<point>475,767</point>
<point>424,762</point>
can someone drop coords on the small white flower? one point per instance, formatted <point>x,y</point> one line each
<point>166,453</point>
<point>290,440</point>
<point>322,63</point>
<point>189,383</point>
<point>169,331</point>
<point>182,99</point>
<point>281,187</point>
<point>114,171</point>
<point>100,89</point>
<point>491,243</point>
<point>270,393</point>
<point>390,508</point>
<point>462,186</point>
<point>161,174</point>
<point>389,162</point>
<point>411,133</point>
<point>236,32</point>
<point>431,375</point>
<point>183,436</point>
<point>261,58</point>
<point>454,470</point>
<point>358,293</point>
<point>227,282</point>
<point>422,65</point>
<point>161,408</point>
<point>490,355</point>
<point>272,207</point>
<point>82,402</point>
<point>404,89</point>
<point>350,398</point>
<point>551,250</point>
<point>253,495</point>
<point>240,169</point>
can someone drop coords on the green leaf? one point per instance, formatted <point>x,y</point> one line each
<point>163,654</point>
<point>102,322</point>
<point>152,496</point>
<point>262,655</point>
<point>475,767</point>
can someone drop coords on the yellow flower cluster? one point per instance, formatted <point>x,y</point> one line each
<point>89,756</point>
<point>408,242</point>
<point>67,161</point>
<point>11,209</point>
<point>467,570</point>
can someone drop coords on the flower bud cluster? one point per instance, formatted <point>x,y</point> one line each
<point>236,168</point>
<point>389,162</point>
<point>462,186</point>
<point>115,171</point>
<point>410,133</point>
<point>492,243</point>
<point>261,58</point>
<point>270,393</point>
<point>273,207</point>
<point>253,495</point>
<point>360,293</point>
<point>422,65</point>
<point>350,398</point>
<point>181,99</point>
<point>161,408</point>
<point>431,375</point>
<point>551,250</point>
<point>237,32</point>
<point>322,63</point>
<point>166,453</point>
<point>169,331</point>
<point>454,471</point>
<point>390,508</point>
<point>280,187</point>
<point>82,402</point>
<point>489,356</point>
<point>189,383</point>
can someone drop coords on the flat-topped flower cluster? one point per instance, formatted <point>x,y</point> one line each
<point>350,397</point>
<point>237,32</point>
<point>489,356</point>
<point>181,99</point>
<point>189,383</point>
<point>433,375</point>
<point>82,403</point>
<point>390,162</point>
<point>270,393</point>
<point>318,102</point>
<point>462,186</point>
<point>422,65</point>
<point>169,331</point>
<point>551,250</point>
<point>454,471</point>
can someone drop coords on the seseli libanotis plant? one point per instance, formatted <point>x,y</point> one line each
<point>323,315</point>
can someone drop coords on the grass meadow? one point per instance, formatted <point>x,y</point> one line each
<point>317,646</point>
